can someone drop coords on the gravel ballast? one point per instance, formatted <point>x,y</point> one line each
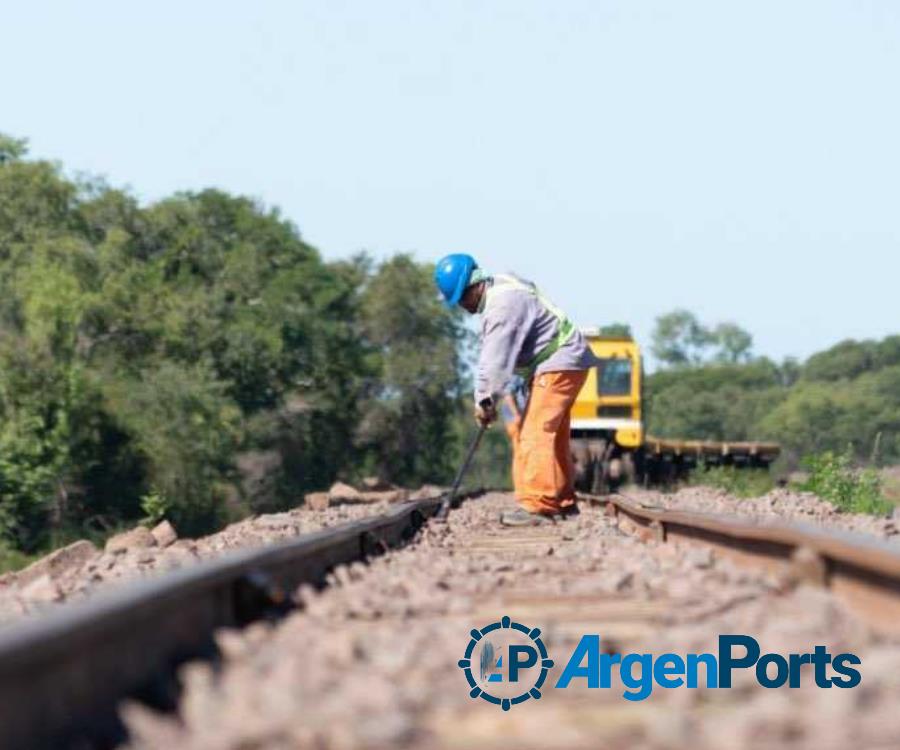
<point>81,570</point>
<point>372,660</point>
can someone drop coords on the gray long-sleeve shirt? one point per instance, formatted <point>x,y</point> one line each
<point>515,328</point>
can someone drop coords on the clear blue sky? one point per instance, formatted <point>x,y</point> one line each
<point>738,159</point>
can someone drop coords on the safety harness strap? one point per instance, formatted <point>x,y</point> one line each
<point>565,328</point>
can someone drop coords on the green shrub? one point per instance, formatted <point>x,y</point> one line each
<point>833,477</point>
<point>155,507</point>
<point>738,482</point>
<point>12,559</point>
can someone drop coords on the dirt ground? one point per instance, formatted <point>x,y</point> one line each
<point>890,482</point>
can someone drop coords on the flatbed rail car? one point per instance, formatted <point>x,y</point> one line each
<point>609,441</point>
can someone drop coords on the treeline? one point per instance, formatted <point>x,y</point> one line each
<point>195,358</point>
<point>846,396</point>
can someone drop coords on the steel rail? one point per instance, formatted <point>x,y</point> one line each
<point>63,675</point>
<point>863,572</point>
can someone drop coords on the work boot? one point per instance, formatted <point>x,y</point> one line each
<point>569,512</point>
<point>520,517</point>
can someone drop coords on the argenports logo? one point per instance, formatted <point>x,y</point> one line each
<point>506,663</point>
<point>512,663</point>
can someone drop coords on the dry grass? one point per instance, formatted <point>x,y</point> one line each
<point>890,483</point>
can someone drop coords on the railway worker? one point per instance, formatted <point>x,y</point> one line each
<point>511,409</point>
<point>523,333</point>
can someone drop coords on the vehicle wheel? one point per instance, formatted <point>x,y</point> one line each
<point>599,479</point>
<point>614,470</point>
<point>629,470</point>
<point>581,458</point>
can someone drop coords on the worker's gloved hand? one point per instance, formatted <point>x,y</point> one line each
<point>485,412</point>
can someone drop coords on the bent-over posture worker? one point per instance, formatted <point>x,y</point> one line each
<point>524,333</point>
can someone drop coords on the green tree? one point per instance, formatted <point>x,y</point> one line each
<point>185,431</point>
<point>157,352</point>
<point>407,421</point>
<point>790,371</point>
<point>679,340</point>
<point>715,402</point>
<point>848,359</point>
<point>887,352</point>
<point>12,149</point>
<point>622,330</point>
<point>733,342</point>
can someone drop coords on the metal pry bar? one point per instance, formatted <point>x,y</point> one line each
<point>450,500</point>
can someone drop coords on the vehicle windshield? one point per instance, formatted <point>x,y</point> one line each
<point>614,377</point>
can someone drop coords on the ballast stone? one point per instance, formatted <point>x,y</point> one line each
<point>164,534</point>
<point>139,537</point>
<point>70,557</point>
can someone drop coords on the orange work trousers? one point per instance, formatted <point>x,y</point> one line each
<point>512,419</point>
<point>543,472</point>
<point>512,432</point>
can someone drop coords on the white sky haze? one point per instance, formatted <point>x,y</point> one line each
<point>740,159</point>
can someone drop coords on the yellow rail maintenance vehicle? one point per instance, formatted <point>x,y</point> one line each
<point>609,441</point>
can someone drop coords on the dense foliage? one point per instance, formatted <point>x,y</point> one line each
<point>196,359</point>
<point>835,478</point>
<point>848,395</point>
<point>680,340</point>
<point>737,481</point>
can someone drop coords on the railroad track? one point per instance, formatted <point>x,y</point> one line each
<point>62,676</point>
<point>862,572</point>
<point>637,574</point>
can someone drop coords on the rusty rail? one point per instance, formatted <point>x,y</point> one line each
<point>865,574</point>
<point>63,675</point>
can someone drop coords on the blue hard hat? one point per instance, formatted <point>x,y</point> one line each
<point>452,275</point>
